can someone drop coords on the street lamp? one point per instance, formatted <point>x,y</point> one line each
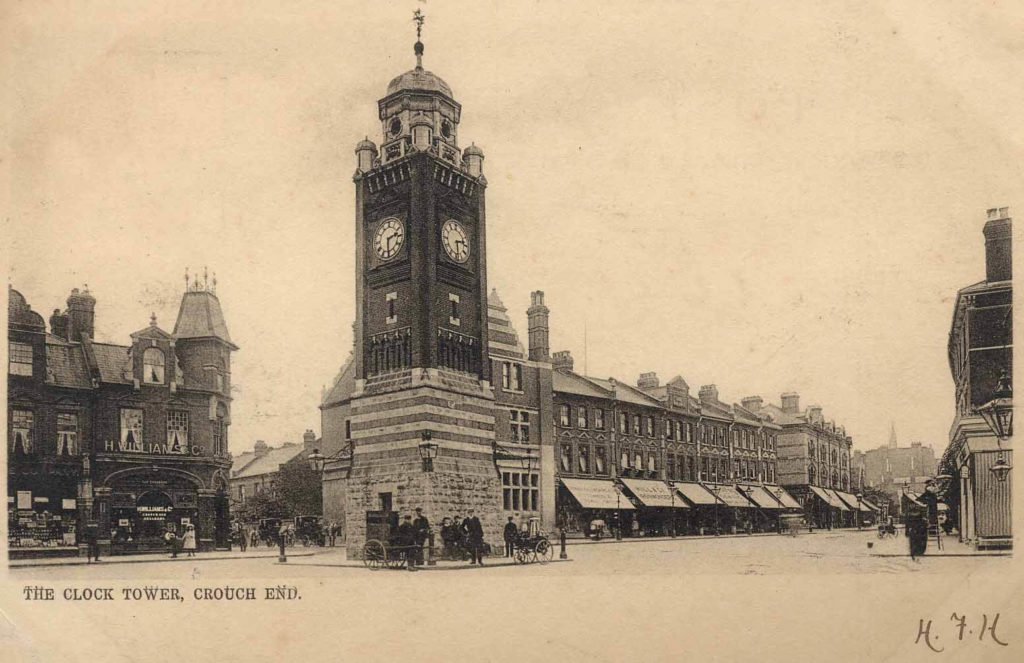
<point>316,461</point>
<point>998,414</point>
<point>428,451</point>
<point>859,496</point>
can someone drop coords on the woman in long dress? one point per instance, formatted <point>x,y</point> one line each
<point>189,541</point>
<point>917,534</point>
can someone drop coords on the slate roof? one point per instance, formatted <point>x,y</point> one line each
<point>570,383</point>
<point>65,364</point>
<point>200,316</point>
<point>114,362</point>
<point>270,462</point>
<point>344,383</point>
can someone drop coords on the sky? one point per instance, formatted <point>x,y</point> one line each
<point>763,196</point>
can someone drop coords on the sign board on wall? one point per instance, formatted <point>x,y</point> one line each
<point>122,522</point>
<point>70,505</point>
<point>24,499</point>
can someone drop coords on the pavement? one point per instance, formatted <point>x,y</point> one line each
<point>264,553</point>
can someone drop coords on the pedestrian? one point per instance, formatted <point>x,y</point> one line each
<point>171,541</point>
<point>636,527</point>
<point>448,538</point>
<point>917,533</point>
<point>511,534</point>
<point>189,541</point>
<point>406,541</point>
<point>474,538</point>
<point>92,532</point>
<point>459,538</point>
<point>242,539</point>
<point>422,530</point>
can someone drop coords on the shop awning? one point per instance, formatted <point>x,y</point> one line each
<point>828,498</point>
<point>732,497</point>
<point>838,501</point>
<point>696,493</point>
<point>868,505</point>
<point>848,499</point>
<point>761,497</point>
<point>787,500</point>
<point>654,493</point>
<point>597,494</point>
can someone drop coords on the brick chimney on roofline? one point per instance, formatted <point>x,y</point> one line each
<point>648,381</point>
<point>708,393</point>
<point>562,360</point>
<point>790,402</point>
<point>998,256</point>
<point>308,439</point>
<point>260,448</point>
<point>752,403</point>
<point>538,327</point>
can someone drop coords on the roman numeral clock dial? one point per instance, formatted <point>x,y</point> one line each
<point>388,238</point>
<point>455,241</point>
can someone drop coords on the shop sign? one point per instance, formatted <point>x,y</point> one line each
<point>41,500</point>
<point>24,499</point>
<point>70,505</point>
<point>153,512</point>
<point>139,447</point>
<point>122,522</point>
<point>186,521</point>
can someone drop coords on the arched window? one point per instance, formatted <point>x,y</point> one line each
<point>810,474</point>
<point>153,366</point>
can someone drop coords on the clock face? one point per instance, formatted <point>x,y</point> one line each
<point>388,238</point>
<point>395,127</point>
<point>455,240</point>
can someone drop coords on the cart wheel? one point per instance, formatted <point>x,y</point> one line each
<point>544,551</point>
<point>374,555</point>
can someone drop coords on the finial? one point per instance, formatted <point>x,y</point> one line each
<point>186,279</point>
<point>206,279</point>
<point>418,18</point>
<point>152,319</point>
<point>215,283</point>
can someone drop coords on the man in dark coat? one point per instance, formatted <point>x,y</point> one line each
<point>406,540</point>
<point>511,533</point>
<point>474,538</point>
<point>92,532</point>
<point>422,529</point>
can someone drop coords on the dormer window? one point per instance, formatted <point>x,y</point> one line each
<point>153,366</point>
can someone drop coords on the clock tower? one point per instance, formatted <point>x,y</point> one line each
<point>421,417</point>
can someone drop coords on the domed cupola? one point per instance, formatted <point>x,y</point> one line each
<point>419,112</point>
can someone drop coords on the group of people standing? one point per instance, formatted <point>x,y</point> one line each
<point>411,536</point>
<point>186,541</point>
<point>463,538</point>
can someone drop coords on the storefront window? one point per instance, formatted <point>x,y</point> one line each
<point>22,426</point>
<point>67,434</point>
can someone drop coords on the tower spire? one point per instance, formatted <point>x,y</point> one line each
<point>418,18</point>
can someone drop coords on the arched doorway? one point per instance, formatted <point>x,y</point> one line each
<point>146,502</point>
<point>153,511</point>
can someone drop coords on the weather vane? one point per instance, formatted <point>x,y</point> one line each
<point>418,18</point>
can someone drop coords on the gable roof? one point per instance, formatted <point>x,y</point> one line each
<point>567,382</point>
<point>268,463</point>
<point>344,383</point>
<point>65,364</point>
<point>113,362</point>
<point>502,338</point>
<point>200,316</point>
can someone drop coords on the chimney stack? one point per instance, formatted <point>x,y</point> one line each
<point>81,314</point>
<point>752,403</point>
<point>998,256</point>
<point>790,402</point>
<point>562,360</point>
<point>308,439</point>
<point>708,393</point>
<point>260,448</point>
<point>648,381</point>
<point>537,328</point>
<point>59,324</point>
<point>814,413</point>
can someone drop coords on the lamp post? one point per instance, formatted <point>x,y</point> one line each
<point>998,414</point>
<point>428,451</point>
<point>860,496</point>
<point>316,461</point>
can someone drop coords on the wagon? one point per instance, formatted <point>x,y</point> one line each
<point>380,550</point>
<point>533,545</point>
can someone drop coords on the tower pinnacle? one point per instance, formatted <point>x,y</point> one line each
<point>418,18</point>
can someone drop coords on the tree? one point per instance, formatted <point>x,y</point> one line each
<point>300,488</point>
<point>267,504</point>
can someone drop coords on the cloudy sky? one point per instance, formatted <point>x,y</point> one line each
<point>764,196</point>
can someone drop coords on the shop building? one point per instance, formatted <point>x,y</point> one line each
<point>257,471</point>
<point>130,437</point>
<point>814,463</point>
<point>980,353</point>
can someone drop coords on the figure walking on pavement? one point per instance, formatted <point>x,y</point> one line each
<point>189,540</point>
<point>421,529</point>
<point>511,533</point>
<point>474,538</point>
<point>406,541</point>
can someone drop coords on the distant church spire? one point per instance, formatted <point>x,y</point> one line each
<point>418,18</point>
<point>892,435</point>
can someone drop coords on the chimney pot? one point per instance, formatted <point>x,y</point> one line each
<point>538,328</point>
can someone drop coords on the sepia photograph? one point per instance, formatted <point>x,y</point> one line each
<point>487,331</point>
